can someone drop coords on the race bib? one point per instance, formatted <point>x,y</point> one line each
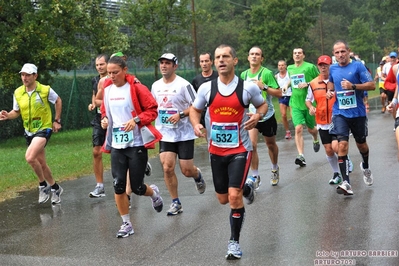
<point>164,115</point>
<point>120,138</point>
<point>296,80</point>
<point>346,99</point>
<point>36,123</point>
<point>225,135</point>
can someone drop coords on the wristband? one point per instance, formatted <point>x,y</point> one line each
<point>58,121</point>
<point>182,115</point>
<point>136,119</point>
<point>394,101</point>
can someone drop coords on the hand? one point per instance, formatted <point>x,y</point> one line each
<point>174,118</point>
<point>330,94</point>
<point>302,85</point>
<point>129,125</point>
<point>3,115</point>
<point>56,127</point>
<point>91,107</point>
<point>389,108</point>
<point>104,122</point>
<point>346,85</point>
<point>252,122</point>
<point>312,110</point>
<point>198,131</point>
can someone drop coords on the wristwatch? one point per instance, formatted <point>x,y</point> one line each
<point>265,87</point>
<point>354,86</point>
<point>261,115</point>
<point>58,121</point>
<point>182,115</point>
<point>136,119</point>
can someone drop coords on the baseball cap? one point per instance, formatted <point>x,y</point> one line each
<point>324,59</point>
<point>29,68</point>
<point>393,54</point>
<point>120,54</point>
<point>169,56</point>
<point>382,63</point>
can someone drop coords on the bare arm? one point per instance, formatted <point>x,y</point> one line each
<point>4,115</point>
<point>100,93</point>
<point>58,110</point>
<point>195,118</point>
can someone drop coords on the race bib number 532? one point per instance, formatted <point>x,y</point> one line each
<point>225,135</point>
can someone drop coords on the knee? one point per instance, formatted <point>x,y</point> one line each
<point>139,190</point>
<point>119,187</point>
<point>223,198</point>
<point>187,172</point>
<point>30,159</point>
<point>298,130</point>
<point>97,154</point>
<point>234,199</point>
<point>168,170</point>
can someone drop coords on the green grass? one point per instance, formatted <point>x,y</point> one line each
<point>69,155</point>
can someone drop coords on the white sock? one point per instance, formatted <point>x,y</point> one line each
<point>255,172</point>
<point>126,218</point>
<point>333,160</point>
<point>154,195</point>
<point>100,185</point>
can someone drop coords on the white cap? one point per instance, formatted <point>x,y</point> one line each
<point>169,56</point>
<point>29,69</point>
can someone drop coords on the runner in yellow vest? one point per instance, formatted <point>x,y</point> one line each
<point>32,101</point>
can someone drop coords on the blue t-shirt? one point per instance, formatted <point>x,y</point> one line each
<point>349,103</point>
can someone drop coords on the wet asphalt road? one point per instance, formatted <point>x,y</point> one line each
<point>299,222</point>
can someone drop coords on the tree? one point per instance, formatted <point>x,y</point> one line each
<point>362,40</point>
<point>157,27</point>
<point>53,35</point>
<point>278,26</point>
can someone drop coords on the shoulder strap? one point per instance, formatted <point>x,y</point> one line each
<point>239,92</point>
<point>214,90</point>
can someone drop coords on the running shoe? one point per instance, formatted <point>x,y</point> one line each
<point>251,196</point>
<point>233,250</point>
<point>157,204</point>
<point>316,146</point>
<point>345,188</point>
<point>44,193</point>
<point>350,165</point>
<point>288,135</point>
<point>275,177</point>
<point>56,195</point>
<point>148,169</point>
<point>300,160</point>
<point>256,180</point>
<point>336,179</point>
<point>367,175</point>
<point>200,186</point>
<point>126,230</point>
<point>175,209</point>
<point>98,192</point>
